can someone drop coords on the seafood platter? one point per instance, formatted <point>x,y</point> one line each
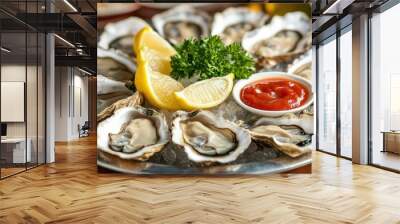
<point>187,91</point>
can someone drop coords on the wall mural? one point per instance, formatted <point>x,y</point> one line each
<point>204,88</point>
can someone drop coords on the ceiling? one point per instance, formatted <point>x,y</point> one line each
<point>79,27</point>
<point>75,22</point>
<point>332,15</point>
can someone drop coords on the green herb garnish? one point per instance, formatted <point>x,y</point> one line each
<point>209,57</point>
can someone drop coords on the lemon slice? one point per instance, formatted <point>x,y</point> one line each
<point>157,88</point>
<point>205,94</point>
<point>146,37</point>
<point>157,61</point>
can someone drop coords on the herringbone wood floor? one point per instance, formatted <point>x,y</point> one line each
<point>71,191</point>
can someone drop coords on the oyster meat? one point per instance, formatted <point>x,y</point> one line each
<point>182,22</point>
<point>283,39</point>
<point>290,134</point>
<point>206,138</point>
<point>233,23</point>
<point>133,133</point>
<point>119,35</point>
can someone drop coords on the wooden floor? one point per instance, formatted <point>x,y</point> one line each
<point>5,172</point>
<point>71,191</point>
<point>10,171</point>
<point>386,159</point>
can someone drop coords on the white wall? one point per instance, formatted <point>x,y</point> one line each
<point>80,84</point>
<point>33,127</point>
<point>71,94</point>
<point>16,73</point>
<point>10,73</point>
<point>61,103</point>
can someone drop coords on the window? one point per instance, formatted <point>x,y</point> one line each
<point>346,92</point>
<point>385,89</point>
<point>327,96</point>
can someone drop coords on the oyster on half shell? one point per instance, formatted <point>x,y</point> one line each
<point>115,65</point>
<point>106,86</point>
<point>105,100</point>
<point>207,138</point>
<point>303,120</point>
<point>233,23</point>
<point>114,72</point>
<point>133,133</point>
<point>302,66</point>
<point>283,39</point>
<point>182,22</point>
<point>120,35</point>
<point>135,100</point>
<point>290,134</point>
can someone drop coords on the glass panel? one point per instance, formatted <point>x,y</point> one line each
<point>385,84</point>
<point>31,98</point>
<point>41,99</point>
<point>13,86</point>
<point>346,94</point>
<point>32,88</point>
<point>314,86</point>
<point>22,88</point>
<point>327,96</point>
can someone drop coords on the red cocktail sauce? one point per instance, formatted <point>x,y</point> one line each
<point>274,94</point>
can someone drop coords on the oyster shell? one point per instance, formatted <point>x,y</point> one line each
<point>305,43</point>
<point>233,23</point>
<point>206,138</point>
<point>105,100</point>
<point>106,85</point>
<point>133,133</point>
<point>114,71</point>
<point>283,39</point>
<point>119,35</point>
<point>134,100</point>
<point>289,134</point>
<point>182,22</point>
<point>302,67</point>
<point>304,120</point>
<point>115,65</point>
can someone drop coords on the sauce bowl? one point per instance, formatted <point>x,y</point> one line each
<point>271,75</point>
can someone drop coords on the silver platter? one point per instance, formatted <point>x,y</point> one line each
<point>278,165</point>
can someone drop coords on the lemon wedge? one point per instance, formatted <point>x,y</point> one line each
<point>157,88</point>
<point>205,94</point>
<point>157,61</point>
<point>146,37</point>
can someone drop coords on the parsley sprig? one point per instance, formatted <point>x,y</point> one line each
<point>209,57</point>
